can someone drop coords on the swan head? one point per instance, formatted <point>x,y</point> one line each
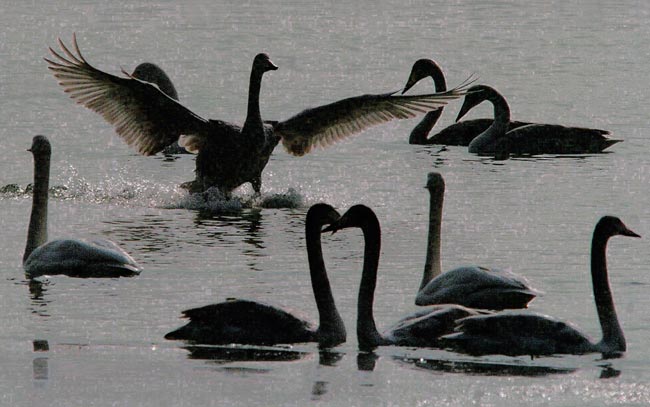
<point>613,226</point>
<point>263,63</point>
<point>357,216</point>
<point>475,96</point>
<point>152,73</point>
<point>40,146</point>
<point>323,214</point>
<point>423,68</point>
<point>435,181</point>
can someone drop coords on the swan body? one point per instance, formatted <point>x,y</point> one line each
<point>420,329</point>
<point>228,154</point>
<point>525,333</point>
<point>457,134</point>
<point>529,139</point>
<point>249,322</point>
<point>470,286</point>
<point>71,257</point>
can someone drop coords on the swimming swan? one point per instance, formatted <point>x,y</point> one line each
<point>228,154</point>
<point>422,328</point>
<point>71,257</point>
<point>531,139</point>
<point>457,134</point>
<point>471,286</point>
<point>249,322</point>
<point>518,333</point>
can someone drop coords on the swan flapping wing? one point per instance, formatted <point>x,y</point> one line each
<point>324,125</point>
<point>145,117</point>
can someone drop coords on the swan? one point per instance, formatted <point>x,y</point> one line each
<point>229,155</point>
<point>152,73</point>
<point>71,257</point>
<point>471,286</point>
<point>249,322</point>
<point>420,329</point>
<point>518,333</point>
<point>457,134</point>
<point>531,139</point>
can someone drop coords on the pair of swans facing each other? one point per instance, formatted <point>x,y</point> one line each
<point>71,257</point>
<point>509,332</point>
<point>499,135</point>
<point>228,155</point>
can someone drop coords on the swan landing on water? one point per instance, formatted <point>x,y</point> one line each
<point>71,257</point>
<point>254,323</point>
<point>524,333</point>
<point>229,155</point>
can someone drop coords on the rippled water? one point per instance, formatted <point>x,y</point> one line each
<point>559,62</point>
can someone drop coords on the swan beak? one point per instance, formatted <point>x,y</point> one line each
<point>409,84</point>
<point>330,228</point>
<point>463,111</point>
<point>628,232</point>
<point>272,66</point>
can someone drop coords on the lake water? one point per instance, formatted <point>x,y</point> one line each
<point>574,63</point>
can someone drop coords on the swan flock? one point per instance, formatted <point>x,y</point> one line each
<point>469,309</point>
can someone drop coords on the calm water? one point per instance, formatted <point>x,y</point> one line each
<point>562,62</point>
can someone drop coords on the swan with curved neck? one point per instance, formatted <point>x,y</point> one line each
<point>531,139</point>
<point>457,134</point>
<point>471,286</point>
<point>421,329</point>
<point>249,322</point>
<point>229,155</point>
<point>72,257</point>
<point>512,333</point>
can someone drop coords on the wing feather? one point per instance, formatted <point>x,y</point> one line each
<point>327,124</point>
<point>143,116</point>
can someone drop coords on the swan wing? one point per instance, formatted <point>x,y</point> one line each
<point>325,125</point>
<point>517,333</point>
<point>478,287</point>
<point>81,258</point>
<point>143,116</point>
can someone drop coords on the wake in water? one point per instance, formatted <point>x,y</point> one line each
<point>125,191</point>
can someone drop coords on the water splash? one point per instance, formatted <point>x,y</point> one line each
<point>213,200</point>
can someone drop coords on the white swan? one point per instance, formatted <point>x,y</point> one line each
<point>250,322</point>
<point>524,333</point>
<point>422,328</point>
<point>471,286</point>
<point>72,257</point>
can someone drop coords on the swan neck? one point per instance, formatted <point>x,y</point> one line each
<point>37,231</point>
<point>253,115</point>
<point>484,143</point>
<point>432,264</point>
<point>420,132</point>
<point>367,334</point>
<point>613,338</point>
<point>331,328</point>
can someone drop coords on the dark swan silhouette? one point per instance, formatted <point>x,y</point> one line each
<point>152,73</point>
<point>420,329</point>
<point>470,286</point>
<point>457,134</point>
<point>228,154</point>
<point>249,322</point>
<point>534,138</point>
<point>524,333</point>
<point>71,257</point>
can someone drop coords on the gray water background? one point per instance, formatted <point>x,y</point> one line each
<point>576,63</point>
